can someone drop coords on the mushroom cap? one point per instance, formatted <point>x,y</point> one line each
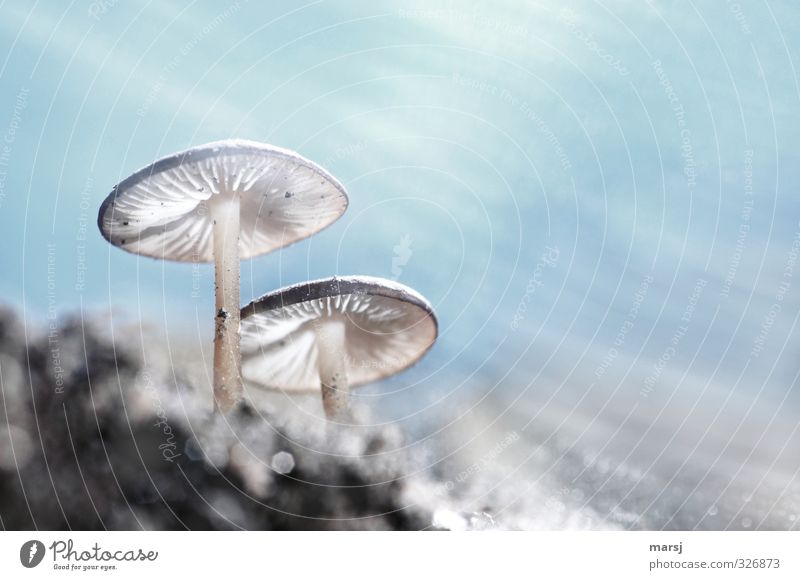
<point>388,327</point>
<point>163,210</point>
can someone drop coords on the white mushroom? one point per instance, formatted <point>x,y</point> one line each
<point>222,202</point>
<point>333,334</point>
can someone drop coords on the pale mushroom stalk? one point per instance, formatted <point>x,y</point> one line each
<point>227,380</point>
<point>332,366</point>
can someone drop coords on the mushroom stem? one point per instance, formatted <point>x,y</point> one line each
<point>227,379</point>
<point>331,365</point>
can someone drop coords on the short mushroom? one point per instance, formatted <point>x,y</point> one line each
<point>222,202</point>
<point>334,334</point>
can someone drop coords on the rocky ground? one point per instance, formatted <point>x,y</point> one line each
<point>94,436</point>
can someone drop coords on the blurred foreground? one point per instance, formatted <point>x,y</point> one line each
<point>97,431</point>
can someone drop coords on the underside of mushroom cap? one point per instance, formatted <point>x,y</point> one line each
<point>163,211</point>
<point>388,327</point>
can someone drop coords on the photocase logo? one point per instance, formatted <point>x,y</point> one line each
<point>31,553</point>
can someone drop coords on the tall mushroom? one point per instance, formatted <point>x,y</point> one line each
<point>332,334</point>
<point>222,202</point>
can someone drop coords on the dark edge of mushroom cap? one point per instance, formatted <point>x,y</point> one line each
<point>343,285</point>
<point>338,286</point>
<point>205,151</point>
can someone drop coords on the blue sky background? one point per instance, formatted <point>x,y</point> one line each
<point>474,141</point>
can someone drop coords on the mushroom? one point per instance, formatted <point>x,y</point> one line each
<point>222,202</point>
<point>334,334</point>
